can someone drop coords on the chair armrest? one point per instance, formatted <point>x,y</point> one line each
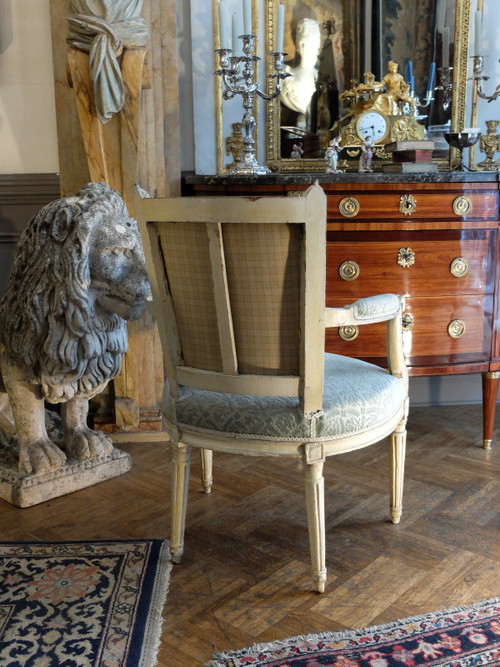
<point>381,308</point>
<point>373,309</point>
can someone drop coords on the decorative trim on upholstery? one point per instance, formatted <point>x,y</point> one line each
<point>357,397</point>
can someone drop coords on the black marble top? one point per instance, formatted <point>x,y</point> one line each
<point>297,178</point>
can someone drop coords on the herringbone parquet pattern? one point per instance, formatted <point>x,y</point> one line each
<point>244,577</point>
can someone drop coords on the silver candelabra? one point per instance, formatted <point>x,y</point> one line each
<point>478,66</point>
<point>445,84</point>
<point>237,74</point>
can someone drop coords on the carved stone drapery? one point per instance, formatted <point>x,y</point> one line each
<point>103,31</point>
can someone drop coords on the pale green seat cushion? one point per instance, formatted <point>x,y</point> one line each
<point>357,397</point>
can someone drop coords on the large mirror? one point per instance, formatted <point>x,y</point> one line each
<point>343,51</point>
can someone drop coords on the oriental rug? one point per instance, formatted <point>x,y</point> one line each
<point>85,604</point>
<point>454,637</point>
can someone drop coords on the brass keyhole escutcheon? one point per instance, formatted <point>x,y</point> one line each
<point>456,328</point>
<point>349,332</point>
<point>349,207</point>
<point>407,204</point>
<point>349,270</point>
<point>459,267</point>
<point>462,205</point>
<point>406,257</point>
<point>407,322</point>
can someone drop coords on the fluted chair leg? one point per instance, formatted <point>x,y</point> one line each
<point>206,469</point>
<point>181,463</point>
<point>397,450</point>
<point>315,503</point>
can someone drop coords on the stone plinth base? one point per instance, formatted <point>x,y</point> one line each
<point>24,490</point>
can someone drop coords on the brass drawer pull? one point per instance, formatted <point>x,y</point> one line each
<point>459,267</point>
<point>462,205</point>
<point>349,332</point>
<point>407,322</point>
<point>349,270</point>
<point>406,257</point>
<point>349,207</point>
<point>407,204</point>
<point>456,328</point>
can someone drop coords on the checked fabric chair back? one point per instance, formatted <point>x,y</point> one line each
<point>239,297</point>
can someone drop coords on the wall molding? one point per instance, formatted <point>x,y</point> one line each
<point>21,197</point>
<point>29,188</point>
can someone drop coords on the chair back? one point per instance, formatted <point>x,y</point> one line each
<point>239,291</point>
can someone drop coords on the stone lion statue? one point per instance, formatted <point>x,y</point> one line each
<point>78,276</point>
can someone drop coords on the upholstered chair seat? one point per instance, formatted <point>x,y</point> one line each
<point>366,397</point>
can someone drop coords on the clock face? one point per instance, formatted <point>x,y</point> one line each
<point>372,126</point>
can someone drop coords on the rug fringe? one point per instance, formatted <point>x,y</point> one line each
<point>154,622</point>
<point>217,658</point>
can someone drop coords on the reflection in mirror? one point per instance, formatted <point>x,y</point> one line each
<point>298,90</point>
<point>339,53</point>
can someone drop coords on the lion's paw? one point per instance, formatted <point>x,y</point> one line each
<point>85,443</point>
<point>40,456</point>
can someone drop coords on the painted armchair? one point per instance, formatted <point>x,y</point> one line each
<point>239,296</point>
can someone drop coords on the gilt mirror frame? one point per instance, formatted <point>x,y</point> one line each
<point>352,13</point>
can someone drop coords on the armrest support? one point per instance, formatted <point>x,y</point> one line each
<point>381,308</point>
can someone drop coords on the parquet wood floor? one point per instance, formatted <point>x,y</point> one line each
<point>244,577</point>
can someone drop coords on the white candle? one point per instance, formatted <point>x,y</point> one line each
<point>478,29</point>
<point>222,25</point>
<point>280,28</point>
<point>446,47</point>
<point>440,15</point>
<point>234,26</point>
<point>247,17</point>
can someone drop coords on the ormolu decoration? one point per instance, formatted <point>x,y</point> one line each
<point>459,267</point>
<point>406,257</point>
<point>234,143</point>
<point>407,204</point>
<point>456,328</point>
<point>349,332</point>
<point>349,207</point>
<point>462,205</point>
<point>489,143</point>
<point>407,322</point>
<point>349,270</point>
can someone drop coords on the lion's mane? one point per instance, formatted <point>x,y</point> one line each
<point>48,313</point>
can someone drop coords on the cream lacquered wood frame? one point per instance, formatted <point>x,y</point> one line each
<point>458,104</point>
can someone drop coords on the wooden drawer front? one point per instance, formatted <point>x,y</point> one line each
<point>430,274</point>
<point>428,206</point>
<point>428,340</point>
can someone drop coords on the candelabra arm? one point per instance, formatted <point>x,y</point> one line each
<point>478,64</point>
<point>426,101</point>
<point>277,91</point>
<point>482,95</point>
<point>231,83</point>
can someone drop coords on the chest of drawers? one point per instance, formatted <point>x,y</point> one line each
<point>433,239</point>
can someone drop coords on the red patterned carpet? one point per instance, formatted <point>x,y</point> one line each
<point>459,637</point>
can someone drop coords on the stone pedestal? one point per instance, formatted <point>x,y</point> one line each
<point>23,490</point>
